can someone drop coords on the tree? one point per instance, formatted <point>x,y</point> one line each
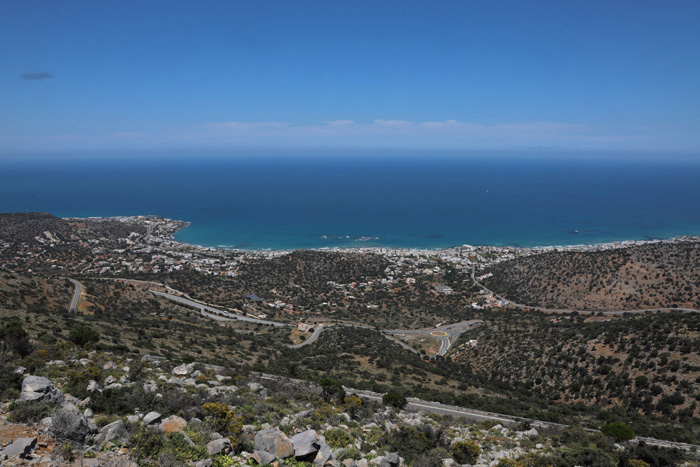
<point>332,389</point>
<point>395,399</point>
<point>618,430</point>
<point>82,334</point>
<point>13,338</point>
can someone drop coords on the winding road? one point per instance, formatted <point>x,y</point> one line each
<point>76,295</point>
<point>446,334</point>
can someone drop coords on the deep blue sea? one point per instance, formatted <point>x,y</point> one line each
<point>421,202</point>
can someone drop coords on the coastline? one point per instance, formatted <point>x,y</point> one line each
<point>179,225</point>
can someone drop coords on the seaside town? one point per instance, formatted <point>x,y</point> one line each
<point>152,250</point>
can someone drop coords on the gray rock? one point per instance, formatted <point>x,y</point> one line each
<point>183,370</point>
<point>349,463</point>
<point>324,453</point>
<point>254,387</point>
<point>93,386</point>
<point>449,462</point>
<point>203,463</point>
<point>84,361</point>
<point>176,381</point>
<point>391,460</point>
<point>114,386</point>
<point>151,418</point>
<point>133,419</point>
<point>150,386</point>
<point>306,445</point>
<point>264,457</point>
<point>56,363</point>
<point>22,447</point>
<point>219,445</point>
<point>188,440</point>
<point>69,424</point>
<point>110,380</point>
<point>275,442</point>
<point>531,433</point>
<point>539,446</point>
<point>114,432</point>
<point>361,463</point>
<point>38,388</point>
<point>88,413</point>
<point>110,365</point>
<point>46,422</point>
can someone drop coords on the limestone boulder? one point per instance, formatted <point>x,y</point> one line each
<point>173,424</point>
<point>38,388</point>
<point>221,445</point>
<point>391,460</point>
<point>151,418</point>
<point>21,448</point>
<point>275,442</point>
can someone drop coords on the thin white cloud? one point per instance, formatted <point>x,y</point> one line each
<point>378,134</point>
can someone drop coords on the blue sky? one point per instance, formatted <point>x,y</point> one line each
<point>92,76</point>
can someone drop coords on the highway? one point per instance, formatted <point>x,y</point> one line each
<point>76,295</point>
<point>418,405</point>
<point>451,331</point>
<point>210,309</point>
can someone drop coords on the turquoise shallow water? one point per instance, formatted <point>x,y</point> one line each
<point>428,202</point>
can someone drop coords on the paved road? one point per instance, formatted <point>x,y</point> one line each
<point>555,310</point>
<point>453,330</point>
<point>312,338</point>
<point>210,309</point>
<point>76,295</point>
<point>451,333</point>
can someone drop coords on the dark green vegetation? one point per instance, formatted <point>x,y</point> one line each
<point>619,431</point>
<point>643,277</point>
<point>34,292</point>
<point>643,369</point>
<point>395,399</point>
<point>25,227</point>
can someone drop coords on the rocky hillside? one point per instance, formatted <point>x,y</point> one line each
<point>100,410</point>
<point>34,292</point>
<point>643,366</point>
<point>26,227</point>
<point>642,277</point>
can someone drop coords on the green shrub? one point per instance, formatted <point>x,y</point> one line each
<point>337,438</point>
<point>466,452</point>
<point>395,399</point>
<point>82,335</point>
<point>618,430</point>
<point>10,382</point>
<point>14,338</point>
<point>331,389</point>
<point>348,453</point>
<point>224,420</point>
<point>30,411</point>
